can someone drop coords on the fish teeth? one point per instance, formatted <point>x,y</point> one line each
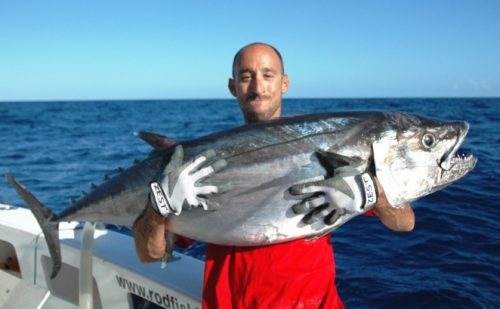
<point>461,158</point>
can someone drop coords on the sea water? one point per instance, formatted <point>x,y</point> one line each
<point>450,260</point>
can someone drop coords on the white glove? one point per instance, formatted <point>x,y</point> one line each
<point>181,187</point>
<point>348,192</point>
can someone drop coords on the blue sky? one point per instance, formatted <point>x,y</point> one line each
<point>63,50</point>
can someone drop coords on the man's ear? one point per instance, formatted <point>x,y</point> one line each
<point>231,86</point>
<point>284,84</point>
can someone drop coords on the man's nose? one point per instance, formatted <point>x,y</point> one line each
<point>257,85</point>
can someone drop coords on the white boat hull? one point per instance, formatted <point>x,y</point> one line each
<point>119,279</point>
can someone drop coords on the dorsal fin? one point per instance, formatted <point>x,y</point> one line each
<point>159,142</point>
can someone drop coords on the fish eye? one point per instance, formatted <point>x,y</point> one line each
<point>428,140</point>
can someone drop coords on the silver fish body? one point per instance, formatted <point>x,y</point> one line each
<point>265,160</point>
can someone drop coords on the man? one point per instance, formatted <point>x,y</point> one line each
<point>294,274</point>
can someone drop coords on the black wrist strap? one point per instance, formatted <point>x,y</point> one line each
<point>158,200</point>
<point>370,190</point>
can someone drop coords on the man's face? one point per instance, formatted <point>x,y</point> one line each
<point>258,83</point>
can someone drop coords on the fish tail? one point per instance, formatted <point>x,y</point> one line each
<point>43,215</point>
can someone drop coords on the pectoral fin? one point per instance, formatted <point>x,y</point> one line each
<point>333,161</point>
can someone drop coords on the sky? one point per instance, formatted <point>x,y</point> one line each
<point>88,50</point>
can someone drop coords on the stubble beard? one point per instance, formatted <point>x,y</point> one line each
<point>252,116</point>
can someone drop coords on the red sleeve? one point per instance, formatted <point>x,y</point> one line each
<point>370,213</point>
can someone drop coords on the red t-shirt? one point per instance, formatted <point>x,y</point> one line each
<point>295,274</point>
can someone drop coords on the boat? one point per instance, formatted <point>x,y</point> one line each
<point>106,260</point>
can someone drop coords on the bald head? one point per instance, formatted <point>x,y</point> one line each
<point>256,44</point>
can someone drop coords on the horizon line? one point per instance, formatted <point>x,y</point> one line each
<point>231,99</point>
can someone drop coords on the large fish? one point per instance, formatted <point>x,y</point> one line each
<point>410,155</point>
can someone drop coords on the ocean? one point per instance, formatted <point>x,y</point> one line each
<point>450,260</point>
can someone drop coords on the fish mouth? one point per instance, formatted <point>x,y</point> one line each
<point>459,163</point>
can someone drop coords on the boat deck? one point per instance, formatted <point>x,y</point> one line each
<point>119,279</point>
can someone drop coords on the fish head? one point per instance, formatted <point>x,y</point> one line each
<point>416,156</point>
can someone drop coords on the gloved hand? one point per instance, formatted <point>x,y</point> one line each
<point>328,199</point>
<point>181,188</point>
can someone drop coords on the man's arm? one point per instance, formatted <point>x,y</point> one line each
<point>397,219</point>
<point>149,235</point>
<point>353,193</point>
